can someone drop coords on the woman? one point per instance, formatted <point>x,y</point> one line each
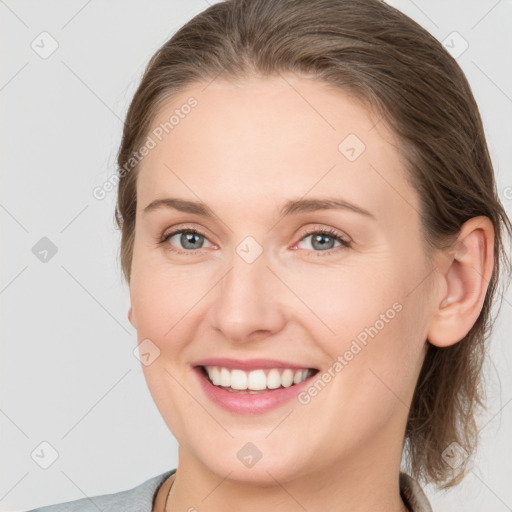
<point>313,240</point>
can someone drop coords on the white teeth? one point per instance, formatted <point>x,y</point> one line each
<point>301,376</point>
<point>256,380</point>
<point>225,377</point>
<point>238,379</point>
<point>273,379</point>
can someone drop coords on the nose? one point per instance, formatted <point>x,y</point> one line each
<point>248,302</point>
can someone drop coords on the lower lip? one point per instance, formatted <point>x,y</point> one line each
<point>245,403</point>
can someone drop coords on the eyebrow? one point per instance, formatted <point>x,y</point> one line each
<point>291,207</point>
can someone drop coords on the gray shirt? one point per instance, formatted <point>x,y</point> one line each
<point>140,498</point>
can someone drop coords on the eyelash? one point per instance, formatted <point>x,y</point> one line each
<point>345,244</point>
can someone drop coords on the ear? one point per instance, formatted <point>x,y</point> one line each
<point>464,279</point>
<point>131,318</point>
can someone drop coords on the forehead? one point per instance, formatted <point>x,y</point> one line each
<point>254,141</point>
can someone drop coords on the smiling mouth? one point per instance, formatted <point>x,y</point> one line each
<point>274,386</point>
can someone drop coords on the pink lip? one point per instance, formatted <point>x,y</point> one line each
<point>245,403</point>
<point>248,364</point>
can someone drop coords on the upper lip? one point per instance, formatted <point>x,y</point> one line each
<point>249,364</point>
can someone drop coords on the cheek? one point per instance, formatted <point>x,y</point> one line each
<point>378,339</point>
<point>337,303</point>
<point>374,376</point>
<point>380,379</point>
<point>164,298</point>
<point>168,312</point>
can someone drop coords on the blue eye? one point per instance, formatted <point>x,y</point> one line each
<point>192,240</point>
<point>323,240</point>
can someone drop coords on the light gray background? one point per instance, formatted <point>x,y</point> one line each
<point>68,373</point>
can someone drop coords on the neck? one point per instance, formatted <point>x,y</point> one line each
<point>348,486</point>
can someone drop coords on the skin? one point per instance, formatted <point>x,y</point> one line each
<point>244,150</point>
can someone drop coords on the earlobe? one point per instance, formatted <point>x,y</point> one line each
<point>130,317</point>
<point>465,279</point>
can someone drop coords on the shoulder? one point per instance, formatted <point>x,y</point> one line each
<point>138,499</point>
<point>413,495</point>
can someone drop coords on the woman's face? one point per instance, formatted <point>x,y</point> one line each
<point>264,158</point>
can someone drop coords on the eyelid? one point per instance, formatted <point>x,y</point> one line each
<point>163,239</point>
<point>325,230</point>
<point>345,242</point>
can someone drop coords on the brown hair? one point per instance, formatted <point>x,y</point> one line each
<point>373,51</point>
